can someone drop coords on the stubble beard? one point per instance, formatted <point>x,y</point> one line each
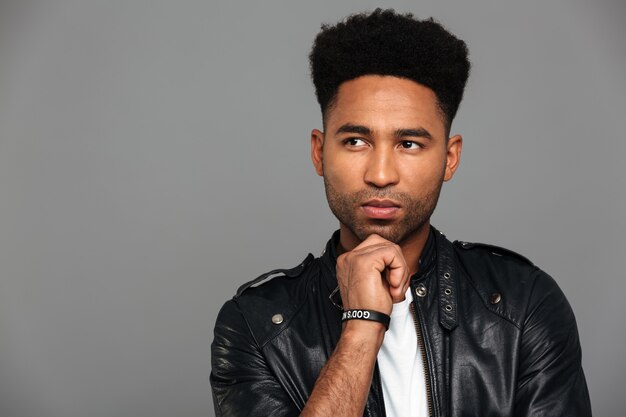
<point>417,212</point>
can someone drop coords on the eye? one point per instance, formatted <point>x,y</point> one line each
<point>409,144</point>
<point>354,142</point>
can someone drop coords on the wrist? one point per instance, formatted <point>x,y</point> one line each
<point>363,332</point>
<point>367,315</point>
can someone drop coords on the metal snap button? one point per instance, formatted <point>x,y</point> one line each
<point>420,291</point>
<point>447,291</point>
<point>448,308</point>
<point>277,318</point>
<point>496,298</point>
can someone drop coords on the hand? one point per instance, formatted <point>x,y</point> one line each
<point>372,276</point>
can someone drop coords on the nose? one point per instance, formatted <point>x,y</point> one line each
<point>381,169</point>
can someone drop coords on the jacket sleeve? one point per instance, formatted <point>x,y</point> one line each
<point>241,381</point>
<point>551,381</point>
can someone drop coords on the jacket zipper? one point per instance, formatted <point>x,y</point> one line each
<point>422,348</point>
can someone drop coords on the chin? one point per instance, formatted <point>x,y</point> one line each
<point>391,232</point>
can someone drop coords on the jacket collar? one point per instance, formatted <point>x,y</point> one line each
<point>437,249</point>
<point>329,263</point>
<point>446,281</point>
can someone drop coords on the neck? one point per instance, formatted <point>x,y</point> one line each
<point>412,245</point>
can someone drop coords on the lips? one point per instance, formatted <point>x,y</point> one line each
<point>381,203</point>
<point>380,209</point>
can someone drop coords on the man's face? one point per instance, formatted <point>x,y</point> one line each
<point>384,156</point>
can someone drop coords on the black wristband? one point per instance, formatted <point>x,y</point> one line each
<point>371,315</point>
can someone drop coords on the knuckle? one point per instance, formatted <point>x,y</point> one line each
<point>343,258</point>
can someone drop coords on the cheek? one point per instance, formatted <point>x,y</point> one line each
<point>340,182</point>
<point>342,172</point>
<point>423,171</point>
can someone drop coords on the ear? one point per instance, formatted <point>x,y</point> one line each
<point>453,156</point>
<point>317,147</point>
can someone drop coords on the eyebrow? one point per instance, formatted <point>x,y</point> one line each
<point>417,132</point>
<point>399,133</point>
<point>350,128</point>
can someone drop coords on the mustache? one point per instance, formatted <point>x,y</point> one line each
<point>380,194</point>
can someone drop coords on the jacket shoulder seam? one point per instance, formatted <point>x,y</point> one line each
<point>268,276</point>
<point>493,249</point>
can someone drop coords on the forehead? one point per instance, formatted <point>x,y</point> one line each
<point>386,102</point>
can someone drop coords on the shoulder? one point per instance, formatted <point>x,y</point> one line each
<point>486,251</point>
<point>479,258</point>
<point>262,303</point>
<point>270,275</point>
<point>487,264</point>
<point>508,282</point>
<point>273,284</point>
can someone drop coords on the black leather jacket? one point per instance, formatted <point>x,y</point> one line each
<point>498,336</point>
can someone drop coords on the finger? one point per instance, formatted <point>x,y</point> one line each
<point>395,264</point>
<point>397,294</point>
<point>398,276</point>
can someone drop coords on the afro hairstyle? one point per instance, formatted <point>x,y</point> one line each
<point>384,42</point>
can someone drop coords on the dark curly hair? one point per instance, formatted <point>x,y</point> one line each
<point>388,43</point>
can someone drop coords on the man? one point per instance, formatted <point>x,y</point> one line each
<point>393,319</point>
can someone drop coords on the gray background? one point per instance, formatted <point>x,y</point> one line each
<point>154,155</point>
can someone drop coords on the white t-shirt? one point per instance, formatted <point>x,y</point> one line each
<point>401,366</point>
